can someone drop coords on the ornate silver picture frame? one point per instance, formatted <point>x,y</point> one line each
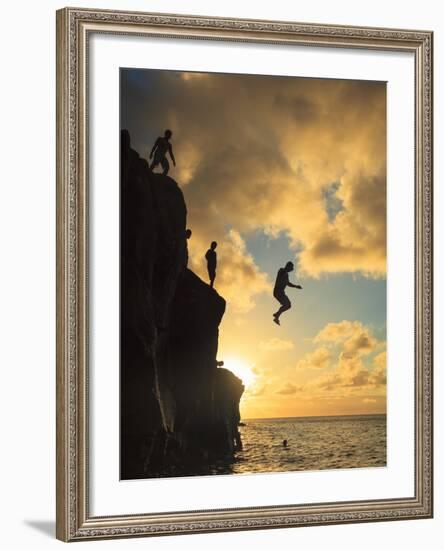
<point>75,520</point>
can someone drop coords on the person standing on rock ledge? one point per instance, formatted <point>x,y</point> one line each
<point>161,147</point>
<point>211,257</point>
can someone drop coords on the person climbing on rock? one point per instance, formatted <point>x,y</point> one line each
<point>279,290</point>
<point>161,147</point>
<point>211,257</point>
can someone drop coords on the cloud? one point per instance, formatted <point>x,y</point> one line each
<point>356,239</point>
<point>238,278</point>
<point>379,374</point>
<point>289,389</point>
<point>318,359</point>
<point>259,153</point>
<point>350,374</point>
<point>276,344</point>
<point>259,392</point>
<point>333,332</point>
<point>362,342</point>
<point>355,337</point>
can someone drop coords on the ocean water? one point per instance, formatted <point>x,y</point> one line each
<point>314,443</point>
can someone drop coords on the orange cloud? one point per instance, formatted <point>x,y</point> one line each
<point>289,389</point>
<point>238,278</point>
<point>260,391</point>
<point>276,344</point>
<point>356,338</point>
<point>318,359</point>
<point>333,332</point>
<point>349,375</point>
<point>259,153</point>
<point>379,374</point>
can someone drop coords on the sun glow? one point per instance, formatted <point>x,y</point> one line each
<point>241,369</point>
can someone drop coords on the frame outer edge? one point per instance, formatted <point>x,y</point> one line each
<point>429,104</point>
<point>72,521</point>
<point>62,265</point>
<point>428,247</point>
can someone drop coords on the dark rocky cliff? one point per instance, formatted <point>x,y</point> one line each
<point>179,412</point>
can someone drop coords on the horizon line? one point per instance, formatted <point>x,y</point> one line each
<point>313,416</point>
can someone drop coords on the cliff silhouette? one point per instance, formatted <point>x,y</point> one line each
<point>179,411</point>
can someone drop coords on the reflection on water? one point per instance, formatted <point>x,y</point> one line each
<point>315,443</point>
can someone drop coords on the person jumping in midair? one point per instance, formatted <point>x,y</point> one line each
<point>279,290</point>
<point>211,257</point>
<point>161,147</point>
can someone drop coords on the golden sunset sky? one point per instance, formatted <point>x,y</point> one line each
<point>277,169</point>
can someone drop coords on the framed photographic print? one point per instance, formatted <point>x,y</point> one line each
<point>244,299</point>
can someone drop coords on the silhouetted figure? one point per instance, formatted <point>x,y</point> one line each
<point>279,290</point>
<point>161,147</point>
<point>285,443</point>
<point>211,258</point>
<point>238,441</point>
<point>188,234</point>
